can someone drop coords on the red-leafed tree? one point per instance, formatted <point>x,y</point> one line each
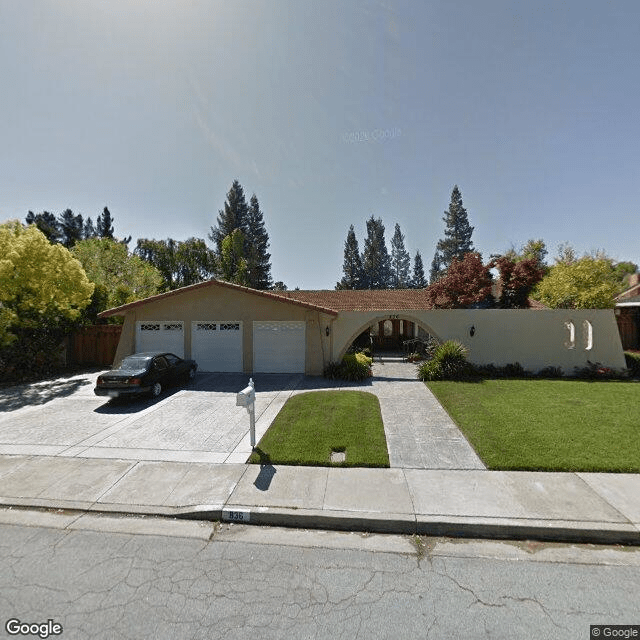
<point>517,280</point>
<point>466,284</point>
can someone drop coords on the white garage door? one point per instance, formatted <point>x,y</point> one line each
<point>217,346</point>
<point>160,336</point>
<point>279,347</point>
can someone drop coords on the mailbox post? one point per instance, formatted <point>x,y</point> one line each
<point>247,399</point>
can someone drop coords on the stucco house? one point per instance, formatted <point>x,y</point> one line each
<point>230,328</point>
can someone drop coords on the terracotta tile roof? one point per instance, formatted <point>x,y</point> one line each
<point>361,299</point>
<point>370,299</point>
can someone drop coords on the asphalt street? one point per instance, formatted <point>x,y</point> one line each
<point>134,578</point>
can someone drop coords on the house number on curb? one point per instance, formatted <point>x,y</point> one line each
<point>235,516</point>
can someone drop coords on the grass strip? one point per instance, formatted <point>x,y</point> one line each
<point>312,425</point>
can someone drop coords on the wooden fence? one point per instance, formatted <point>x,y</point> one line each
<point>94,345</point>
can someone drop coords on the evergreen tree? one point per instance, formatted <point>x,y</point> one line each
<point>71,227</point>
<point>400,261</point>
<point>376,263</point>
<point>234,216</point>
<point>47,223</point>
<point>352,265</point>
<point>89,229</point>
<point>257,243</point>
<point>436,271</point>
<point>104,224</point>
<point>457,232</point>
<point>418,281</point>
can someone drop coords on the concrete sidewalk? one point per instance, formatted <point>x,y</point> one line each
<point>572,507</point>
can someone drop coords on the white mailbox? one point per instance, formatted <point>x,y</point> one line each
<point>247,399</point>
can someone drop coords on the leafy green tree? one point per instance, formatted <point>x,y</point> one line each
<point>232,263</point>
<point>622,271</point>
<point>400,261</point>
<point>43,290</point>
<point>193,262</point>
<point>39,281</point>
<point>457,233</point>
<point>257,243</point>
<point>279,286</point>
<point>180,263</point>
<point>233,216</point>
<point>467,283</point>
<point>352,266</point>
<point>376,263</point>
<point>122,276</point>
<point>418,281</point>
<point>587,283</point>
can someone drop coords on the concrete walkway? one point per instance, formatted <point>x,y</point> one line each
<point>573,507</point>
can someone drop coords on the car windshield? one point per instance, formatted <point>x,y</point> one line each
<point>135,363</point>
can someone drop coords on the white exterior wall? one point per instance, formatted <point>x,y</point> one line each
<point>534,338</point>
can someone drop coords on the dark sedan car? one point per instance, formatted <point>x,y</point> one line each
<point>145,373</point>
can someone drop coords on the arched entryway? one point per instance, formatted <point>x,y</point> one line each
<point>388,333</point>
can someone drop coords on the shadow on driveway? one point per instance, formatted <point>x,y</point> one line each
<point>39,393</point>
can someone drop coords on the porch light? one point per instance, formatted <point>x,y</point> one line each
<point>327,331</point>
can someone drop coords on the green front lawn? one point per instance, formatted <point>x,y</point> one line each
<point>312,425</point>
<point>548,425</point>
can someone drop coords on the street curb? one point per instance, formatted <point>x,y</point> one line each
<point>399,524</point>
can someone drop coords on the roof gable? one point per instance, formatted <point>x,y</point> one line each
<point>121,310</point>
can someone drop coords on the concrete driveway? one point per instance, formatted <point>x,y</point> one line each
<point>196,423</point>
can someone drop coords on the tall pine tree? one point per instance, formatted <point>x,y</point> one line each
<point>418,281</point>
<point>257,242</point>
<point>234,216</point>
<point>104,224</point>
<point>71,227</point>
<point>47,223</point>
<point>400,261</point>
<point>436,270</point>
<point>376,263</point>
<point>457,233</point>
<point>352,265</point>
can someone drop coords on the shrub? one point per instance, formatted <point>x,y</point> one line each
<point>596,371</point>
<point>449,362</point>
<point>354,367</point>
<point>550,372</point>
<point>633,363</point>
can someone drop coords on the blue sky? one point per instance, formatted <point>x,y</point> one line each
<point>330,112</point>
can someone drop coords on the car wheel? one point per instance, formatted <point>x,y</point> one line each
<point>156,389</point>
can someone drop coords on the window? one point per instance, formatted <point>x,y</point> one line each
<point>570,342</point>
<point>587,335</point>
